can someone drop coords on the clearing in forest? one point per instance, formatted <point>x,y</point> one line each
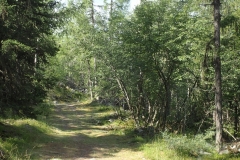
<point>85,132</point>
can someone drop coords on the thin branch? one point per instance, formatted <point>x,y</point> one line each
<point>230,134</point>
<point>2,156</point>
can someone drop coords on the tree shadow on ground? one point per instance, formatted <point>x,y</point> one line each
<point>83,146</point>
<point>79,136</point>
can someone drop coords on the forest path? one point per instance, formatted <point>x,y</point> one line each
<point>79,137</point>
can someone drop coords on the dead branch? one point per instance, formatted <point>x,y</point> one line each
<point>229,134</point>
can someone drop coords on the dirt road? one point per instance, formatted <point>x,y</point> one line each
<point>79,136</point>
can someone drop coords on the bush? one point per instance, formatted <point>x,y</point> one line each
<point>43,109</point>
<point>192,146</point>
<point>65,94</point>
<point>175,147</point>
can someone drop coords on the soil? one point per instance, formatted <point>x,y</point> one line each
<point>78,136</point>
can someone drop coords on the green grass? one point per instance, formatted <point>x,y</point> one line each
<point>104,108</point>
<point>20,137</point>
<point>178,147</point>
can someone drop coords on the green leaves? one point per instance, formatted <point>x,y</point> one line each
<point>26,42</point>
<point>9,46</point>
<point>159,58</point>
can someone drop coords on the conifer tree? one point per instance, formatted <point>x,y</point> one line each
<point>26,29</point>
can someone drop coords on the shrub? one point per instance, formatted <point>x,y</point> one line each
<point>43,109</point>
<point>170,146</point>
<point>191,146</point>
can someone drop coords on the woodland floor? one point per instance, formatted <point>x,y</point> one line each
<point>79,137</point>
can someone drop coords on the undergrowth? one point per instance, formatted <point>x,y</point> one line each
<point>65,94</point>
<point>168,146</point>
<point>20,135</point>
<point>19,138</point>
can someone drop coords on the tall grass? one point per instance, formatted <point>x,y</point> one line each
<point>181,147</point>
<point>20,137</point>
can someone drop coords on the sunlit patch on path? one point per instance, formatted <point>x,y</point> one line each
<point>77,137</point>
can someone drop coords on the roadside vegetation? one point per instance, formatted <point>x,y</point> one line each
<point>177,147</point>
<point>21,135</point>
<point>23,138</point>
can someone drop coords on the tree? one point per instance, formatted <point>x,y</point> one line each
<point>218,75</point>
<point>154,41</point>
<point>26,41</point>
<point>158,61</point>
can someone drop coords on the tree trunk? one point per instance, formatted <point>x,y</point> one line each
<point>218,81</point>
<point>235,119</point>
<point>167,104</point>
<point>90,81</point>
<point>94,82</point>
<point>92,13</point>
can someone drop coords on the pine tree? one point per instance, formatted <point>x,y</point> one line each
<point>26,29</point>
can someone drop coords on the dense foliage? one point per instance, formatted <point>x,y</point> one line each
<point>26,42</point>
<point>156,62</point>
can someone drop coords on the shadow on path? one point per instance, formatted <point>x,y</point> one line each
<point>79,137</point>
